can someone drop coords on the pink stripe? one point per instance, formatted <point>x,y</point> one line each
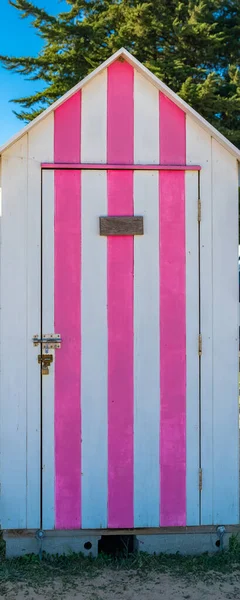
<point>172,133</point>
<point>67,311</point>
<point>67,127</point>
<point>172,323</point>
<point>120,358</point>
<point>108,167</point>
<point>120,116</point>
<point>120,302</point>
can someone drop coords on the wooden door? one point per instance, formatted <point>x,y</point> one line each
<point>120,406</point>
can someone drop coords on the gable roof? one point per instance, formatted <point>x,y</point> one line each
<point>153,79</point>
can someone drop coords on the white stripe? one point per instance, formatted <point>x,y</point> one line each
<point>199,152</point>
<point>146,353</point>
<point>146,309</point>
<point>146,121</point>
<point>94,120</point>
<point>192,329</point>
<point>225,337</point>
<point>40,143</point>
<point>13,433</point>
<point>94,352</point>
<point>48,327</point>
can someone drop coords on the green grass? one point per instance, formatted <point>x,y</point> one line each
<point>35,572</point>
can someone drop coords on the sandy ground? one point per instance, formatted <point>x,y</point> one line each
<point>127,586</point>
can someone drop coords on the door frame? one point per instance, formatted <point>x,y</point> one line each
<point>47,414</point>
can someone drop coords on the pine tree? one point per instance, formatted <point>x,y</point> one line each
<point>192,45</point>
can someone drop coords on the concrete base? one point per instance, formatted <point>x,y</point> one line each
<point>184,543</point>
<point>54,542</point>
<point>65,542</point>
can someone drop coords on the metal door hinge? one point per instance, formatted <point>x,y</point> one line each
<point>200,480</point>
<point>200,345</point>
<point>199,210</point>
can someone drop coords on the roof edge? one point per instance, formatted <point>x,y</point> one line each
<point>61,100</point>
<point>153,79</point>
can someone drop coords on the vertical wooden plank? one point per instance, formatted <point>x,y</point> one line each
<point>67,316</point>
<point>94,120</point>
<point>48,383</point>
<point>172,132</point>
<point>120,113</point>
<point>13,431</point>
<point>40,144</point>
<point>192,329</point>
<point>225,337</point>
<point>94,352</point>
<point>172,257</point>
<point>146,353</point>
<point>67,320</point>
<point>1,500</point>
<point>146,308</point>
<point>120,357</point>
<point>146,121</point>
<point>94,307</point>
<point>199,152</point>
<point>120,148</point>
<point>67,130</point>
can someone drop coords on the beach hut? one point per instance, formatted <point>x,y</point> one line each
<point>119,321</point>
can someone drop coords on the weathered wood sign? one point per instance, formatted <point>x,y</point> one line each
<point>121,225</point>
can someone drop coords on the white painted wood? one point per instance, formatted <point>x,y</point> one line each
<point>123,53</point>
<point>225,337</point>
<point>192,329</point>
<point>199,149</point>
<point>1,510</point>
<point>13,391</point>
<point>48,468</point>
<point>94,352</point>
<point>40,143</point>
<point>146,121</point>
<point>146,308</point>
<point>94,120</point>
<point>146,353</point>
<point>0,190</point>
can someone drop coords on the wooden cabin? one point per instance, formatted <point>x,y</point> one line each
<point>119,318</point>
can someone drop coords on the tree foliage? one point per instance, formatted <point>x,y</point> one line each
<point>192,45</point>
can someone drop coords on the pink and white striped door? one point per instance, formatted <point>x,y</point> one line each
<point>121,388</point>
<point>120,408</point>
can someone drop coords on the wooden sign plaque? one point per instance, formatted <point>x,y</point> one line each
<point>121,225</point>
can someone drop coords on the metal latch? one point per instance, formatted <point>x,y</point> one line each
<point>48,341</point>
<point>45,361</point>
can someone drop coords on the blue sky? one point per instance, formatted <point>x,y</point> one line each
<point>18,38</point>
